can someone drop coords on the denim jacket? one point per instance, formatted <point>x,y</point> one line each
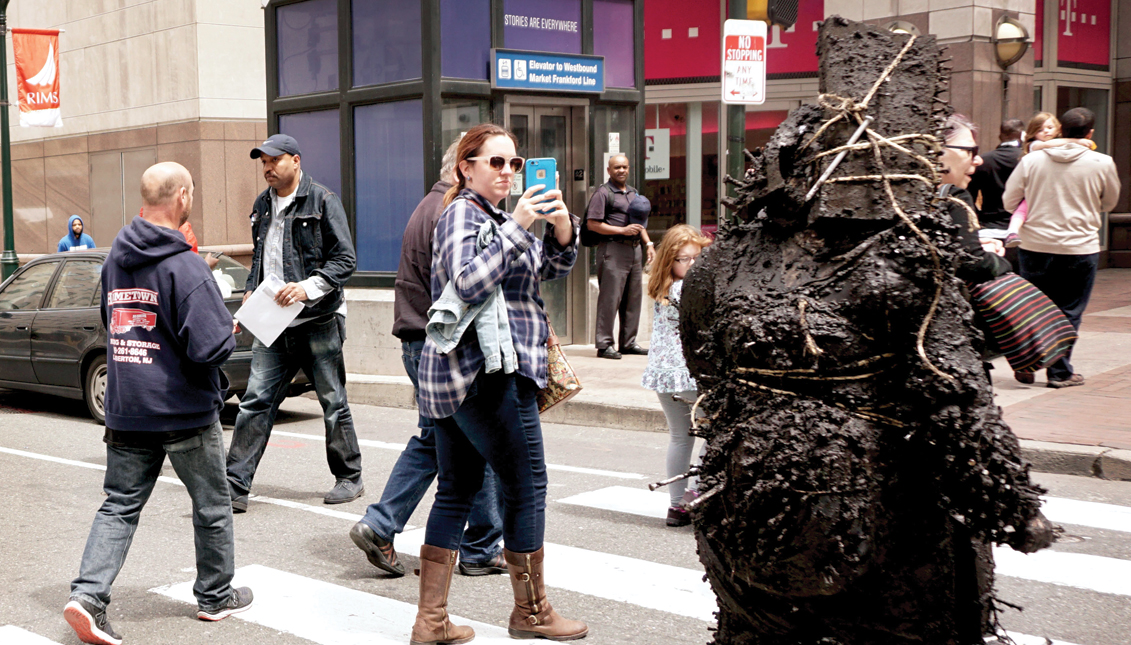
<point>449,317</point>
<point>316,241</point>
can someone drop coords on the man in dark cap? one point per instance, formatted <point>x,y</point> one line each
<point>301,235</point>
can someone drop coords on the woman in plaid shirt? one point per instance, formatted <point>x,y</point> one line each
<point>492,418</point>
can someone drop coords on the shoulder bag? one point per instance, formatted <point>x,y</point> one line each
<point>1026,325</point>
<point>561,381</point>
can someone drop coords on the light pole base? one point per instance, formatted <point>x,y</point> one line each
<point>8,264</point>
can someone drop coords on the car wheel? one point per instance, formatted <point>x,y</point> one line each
<point>94,388</point>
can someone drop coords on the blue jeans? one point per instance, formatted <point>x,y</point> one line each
<point>131,472</point>
<point>497,424</point>
<point>315,348</point>
<point>413,474</point>
<point>1067,280</point>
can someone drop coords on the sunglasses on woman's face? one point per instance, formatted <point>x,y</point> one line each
<point>497,162</point>
<point>973,150</point>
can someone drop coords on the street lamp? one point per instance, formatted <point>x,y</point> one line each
<point>902,27</point>
<point>8,262</point>
<point>1011,41</point>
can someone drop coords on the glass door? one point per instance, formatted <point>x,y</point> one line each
<point>546,132</point>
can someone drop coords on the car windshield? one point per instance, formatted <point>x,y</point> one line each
<point>235,274</point>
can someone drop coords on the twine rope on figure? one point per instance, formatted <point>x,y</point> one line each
<point>846,108</point>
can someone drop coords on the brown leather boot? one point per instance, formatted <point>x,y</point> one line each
<point>432,625</point>
<point>533,617</point>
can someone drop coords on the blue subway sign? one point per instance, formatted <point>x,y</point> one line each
<point>541,71</point>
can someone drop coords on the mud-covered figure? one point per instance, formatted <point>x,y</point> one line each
<point>856,464</point>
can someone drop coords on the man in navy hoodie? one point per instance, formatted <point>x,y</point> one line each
<point>168,334</point>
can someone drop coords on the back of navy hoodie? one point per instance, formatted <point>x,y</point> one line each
<point>168,332</point>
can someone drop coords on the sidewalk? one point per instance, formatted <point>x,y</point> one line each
<point>1083,430</point>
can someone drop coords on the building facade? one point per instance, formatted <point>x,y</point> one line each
<point>1074,59</point>
<point>170,80</point>
<point>375,90</point>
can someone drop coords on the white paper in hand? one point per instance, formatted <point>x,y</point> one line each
<point>262,316</point>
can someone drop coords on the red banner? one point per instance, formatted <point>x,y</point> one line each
<point>37,77</point>
<point>1084,34</point>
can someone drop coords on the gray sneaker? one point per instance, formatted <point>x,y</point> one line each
<point>344,491</point>
<point>89,623</point>
<point>240,600</point>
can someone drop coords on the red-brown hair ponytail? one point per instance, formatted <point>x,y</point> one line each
<point>469,146</point>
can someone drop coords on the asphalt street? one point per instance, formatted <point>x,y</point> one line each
<point>610,560</point>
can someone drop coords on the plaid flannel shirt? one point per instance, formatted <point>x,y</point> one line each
<point>514,261</point>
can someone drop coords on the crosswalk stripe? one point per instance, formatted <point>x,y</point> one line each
<point>652,585</point>
<point>1026,639</point>
<point>622,499</point>
<point>639,501</point>
<point>12,635</point>
<point>1079,570</point>
<point>1110,517</point>
<point>384,445</point>
<point>326,613</point>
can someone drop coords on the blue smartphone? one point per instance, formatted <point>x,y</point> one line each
<point>543,170</point>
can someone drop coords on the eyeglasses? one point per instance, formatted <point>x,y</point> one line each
<point>685,260</point>
<point>973,150</point>
<point>498,161</point>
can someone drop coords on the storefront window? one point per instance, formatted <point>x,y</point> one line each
<point>390,179</point>
<point>1093,99</point>
<point>308,47</point>
<point>460,115</point>
<point>760,126</point>
<point>543,25</point>
<point>619,120</point>
<point>613,29</point>
<point>386,41</point>
<point>682,165</point>
<point>465,38</point>
<point>319,141</point>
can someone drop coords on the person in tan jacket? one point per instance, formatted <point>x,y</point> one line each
<point>1067,188</point>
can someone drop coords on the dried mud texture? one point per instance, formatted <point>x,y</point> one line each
<point>849,489</point>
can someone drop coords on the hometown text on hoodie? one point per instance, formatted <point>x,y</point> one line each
<point>70,241</point>
<point>1066,188</point>
<point>168,332</point>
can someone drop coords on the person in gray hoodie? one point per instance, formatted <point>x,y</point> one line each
<point>1067,188</point>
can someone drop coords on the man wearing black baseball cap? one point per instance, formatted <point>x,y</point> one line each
<point>301,235</point>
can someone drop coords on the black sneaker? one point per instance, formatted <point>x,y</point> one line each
<point>89,623</point>
<point>378,551</point>
<point>240,600</point>
<point>678,516</point>
<point>344,491</point>
<point>494,566</point>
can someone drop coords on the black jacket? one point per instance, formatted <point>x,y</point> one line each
<point>989,182</point>
<point>168,332</point>
<point>978,265</point>
<point>413,288</point>
<point>316,241</point>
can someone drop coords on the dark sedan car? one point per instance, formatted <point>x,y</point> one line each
<point>52,339</point>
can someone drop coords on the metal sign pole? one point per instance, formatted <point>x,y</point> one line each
<point>736,121</point>
<point>8,262</point>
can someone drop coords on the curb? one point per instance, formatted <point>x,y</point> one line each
<point>1081,461</point>
<point>1044,456</point>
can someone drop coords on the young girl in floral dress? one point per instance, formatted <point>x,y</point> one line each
<point>667,371</point>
